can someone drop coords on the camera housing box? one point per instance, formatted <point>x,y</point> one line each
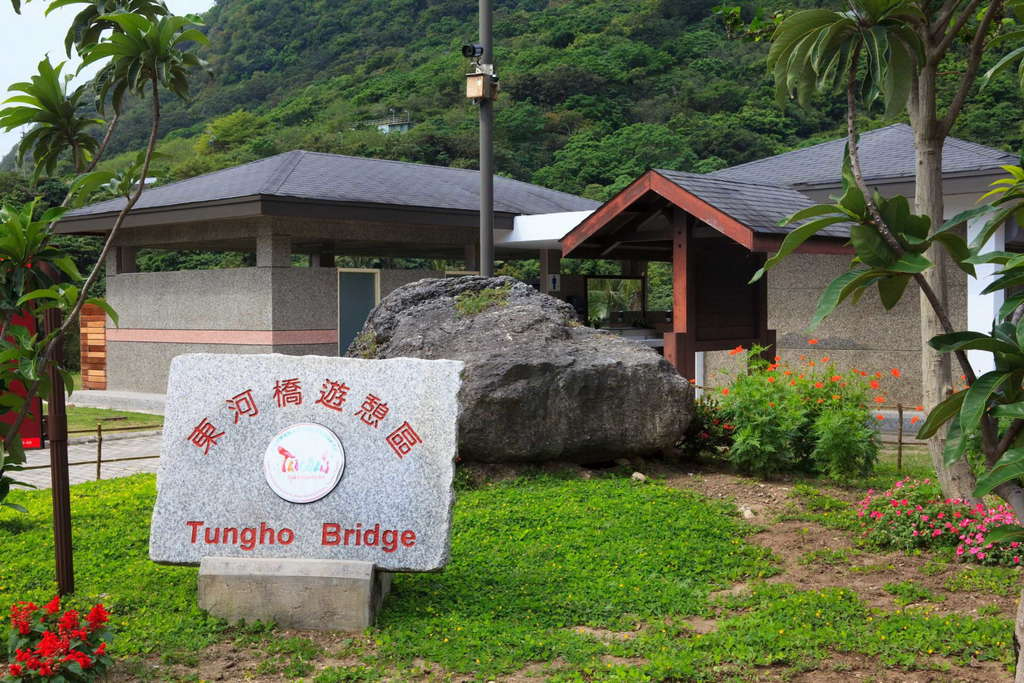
<point>481,86</point>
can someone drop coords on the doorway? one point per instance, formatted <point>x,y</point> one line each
<point>358,294</point>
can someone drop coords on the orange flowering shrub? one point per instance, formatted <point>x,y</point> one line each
<point>811,418</point>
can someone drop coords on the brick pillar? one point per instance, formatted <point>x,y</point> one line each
<point>93,323</point>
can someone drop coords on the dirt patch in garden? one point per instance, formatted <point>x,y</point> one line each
<point>231,660</point>
<point>814,557</point>
<point>842,667</point>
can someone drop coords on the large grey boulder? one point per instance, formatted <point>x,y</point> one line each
<point>537,385</point>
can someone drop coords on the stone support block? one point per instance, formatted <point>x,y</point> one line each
<point>314,595</point>
<point>273,249</point>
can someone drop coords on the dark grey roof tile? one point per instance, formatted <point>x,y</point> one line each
<point>885,153</point>
<point>333,177</point>
<point>759,207</point>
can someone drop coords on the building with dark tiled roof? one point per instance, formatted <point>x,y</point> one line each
<point>318,206</point>
<point>728,221</point>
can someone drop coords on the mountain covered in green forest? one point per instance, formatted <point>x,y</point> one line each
<point>593,92</point>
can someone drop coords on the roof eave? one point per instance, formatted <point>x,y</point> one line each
<point>897,180</point>
<point>260,205</point>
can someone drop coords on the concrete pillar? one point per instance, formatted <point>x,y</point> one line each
<point>983,308</point>
<point>472,257</point>
<point>323,259</point>
<point>273,249</point>
<point>550,271</point>
<point>122,260</point>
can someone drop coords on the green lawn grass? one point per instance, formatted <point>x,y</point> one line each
<point>81,418</point>
<point>531,560</point>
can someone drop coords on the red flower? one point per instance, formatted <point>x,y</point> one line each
<point>727,427</point>
<point>53,606</point>
<point>778,358</point>
<point>812,341</point>
<point>81,658</point>
<point>69,621</point>
<point>879,399</point>
<point>880,416</point>
<point>102,649</point>
<point>825,359</point>
<point>725,391</point>
<point>895,372</point>
<point>51,645</point>
<point>97,617</point>
<point>918,407</point>
<point>771,379</point>
<point>14,670</point>
<point>819,385</point>
<point>914,420</point>
<point>738,349</point>
<point>875,385</point>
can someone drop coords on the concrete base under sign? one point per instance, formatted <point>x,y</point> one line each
<point>316,595</point>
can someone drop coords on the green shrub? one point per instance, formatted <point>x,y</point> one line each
<point>706,432</point>
<point>845,446</point>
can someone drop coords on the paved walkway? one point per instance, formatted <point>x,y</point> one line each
<point>112,450</point>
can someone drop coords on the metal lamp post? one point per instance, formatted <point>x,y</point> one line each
<point>482,86</point>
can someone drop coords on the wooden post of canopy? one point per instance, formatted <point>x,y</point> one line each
<point>679,343</point>
<point>765,337</point>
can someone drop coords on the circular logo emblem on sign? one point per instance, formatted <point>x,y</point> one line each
<point>304,463</point>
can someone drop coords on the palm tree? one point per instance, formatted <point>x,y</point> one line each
<point>46,104</point>
<point>89,24</point>
<point>144,56</point>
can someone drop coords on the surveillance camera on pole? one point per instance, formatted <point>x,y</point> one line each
<point>482,82</point>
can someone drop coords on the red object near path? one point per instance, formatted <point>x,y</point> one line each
<point>31,430</point>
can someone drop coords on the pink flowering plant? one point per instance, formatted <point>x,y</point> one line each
<point>912,515</point>
<point>978,544</point>
<point>48,645</point>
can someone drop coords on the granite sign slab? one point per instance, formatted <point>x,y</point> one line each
<point>307,457</point>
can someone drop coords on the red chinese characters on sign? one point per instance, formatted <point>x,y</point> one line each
<point>288,392</point>
<point>204,435</point>
<point>403,439</point>
<point>333,394</point>
<point>243,404</point>
<point>372,411</point>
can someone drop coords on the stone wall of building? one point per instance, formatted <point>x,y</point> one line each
<point>863,336</point>
<point>289,310</point>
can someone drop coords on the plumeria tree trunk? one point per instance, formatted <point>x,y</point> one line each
<point>957,480</point>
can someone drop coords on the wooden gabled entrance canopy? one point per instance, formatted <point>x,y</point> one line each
<point>716,233</point>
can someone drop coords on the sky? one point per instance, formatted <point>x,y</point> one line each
<point>28,37</point>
